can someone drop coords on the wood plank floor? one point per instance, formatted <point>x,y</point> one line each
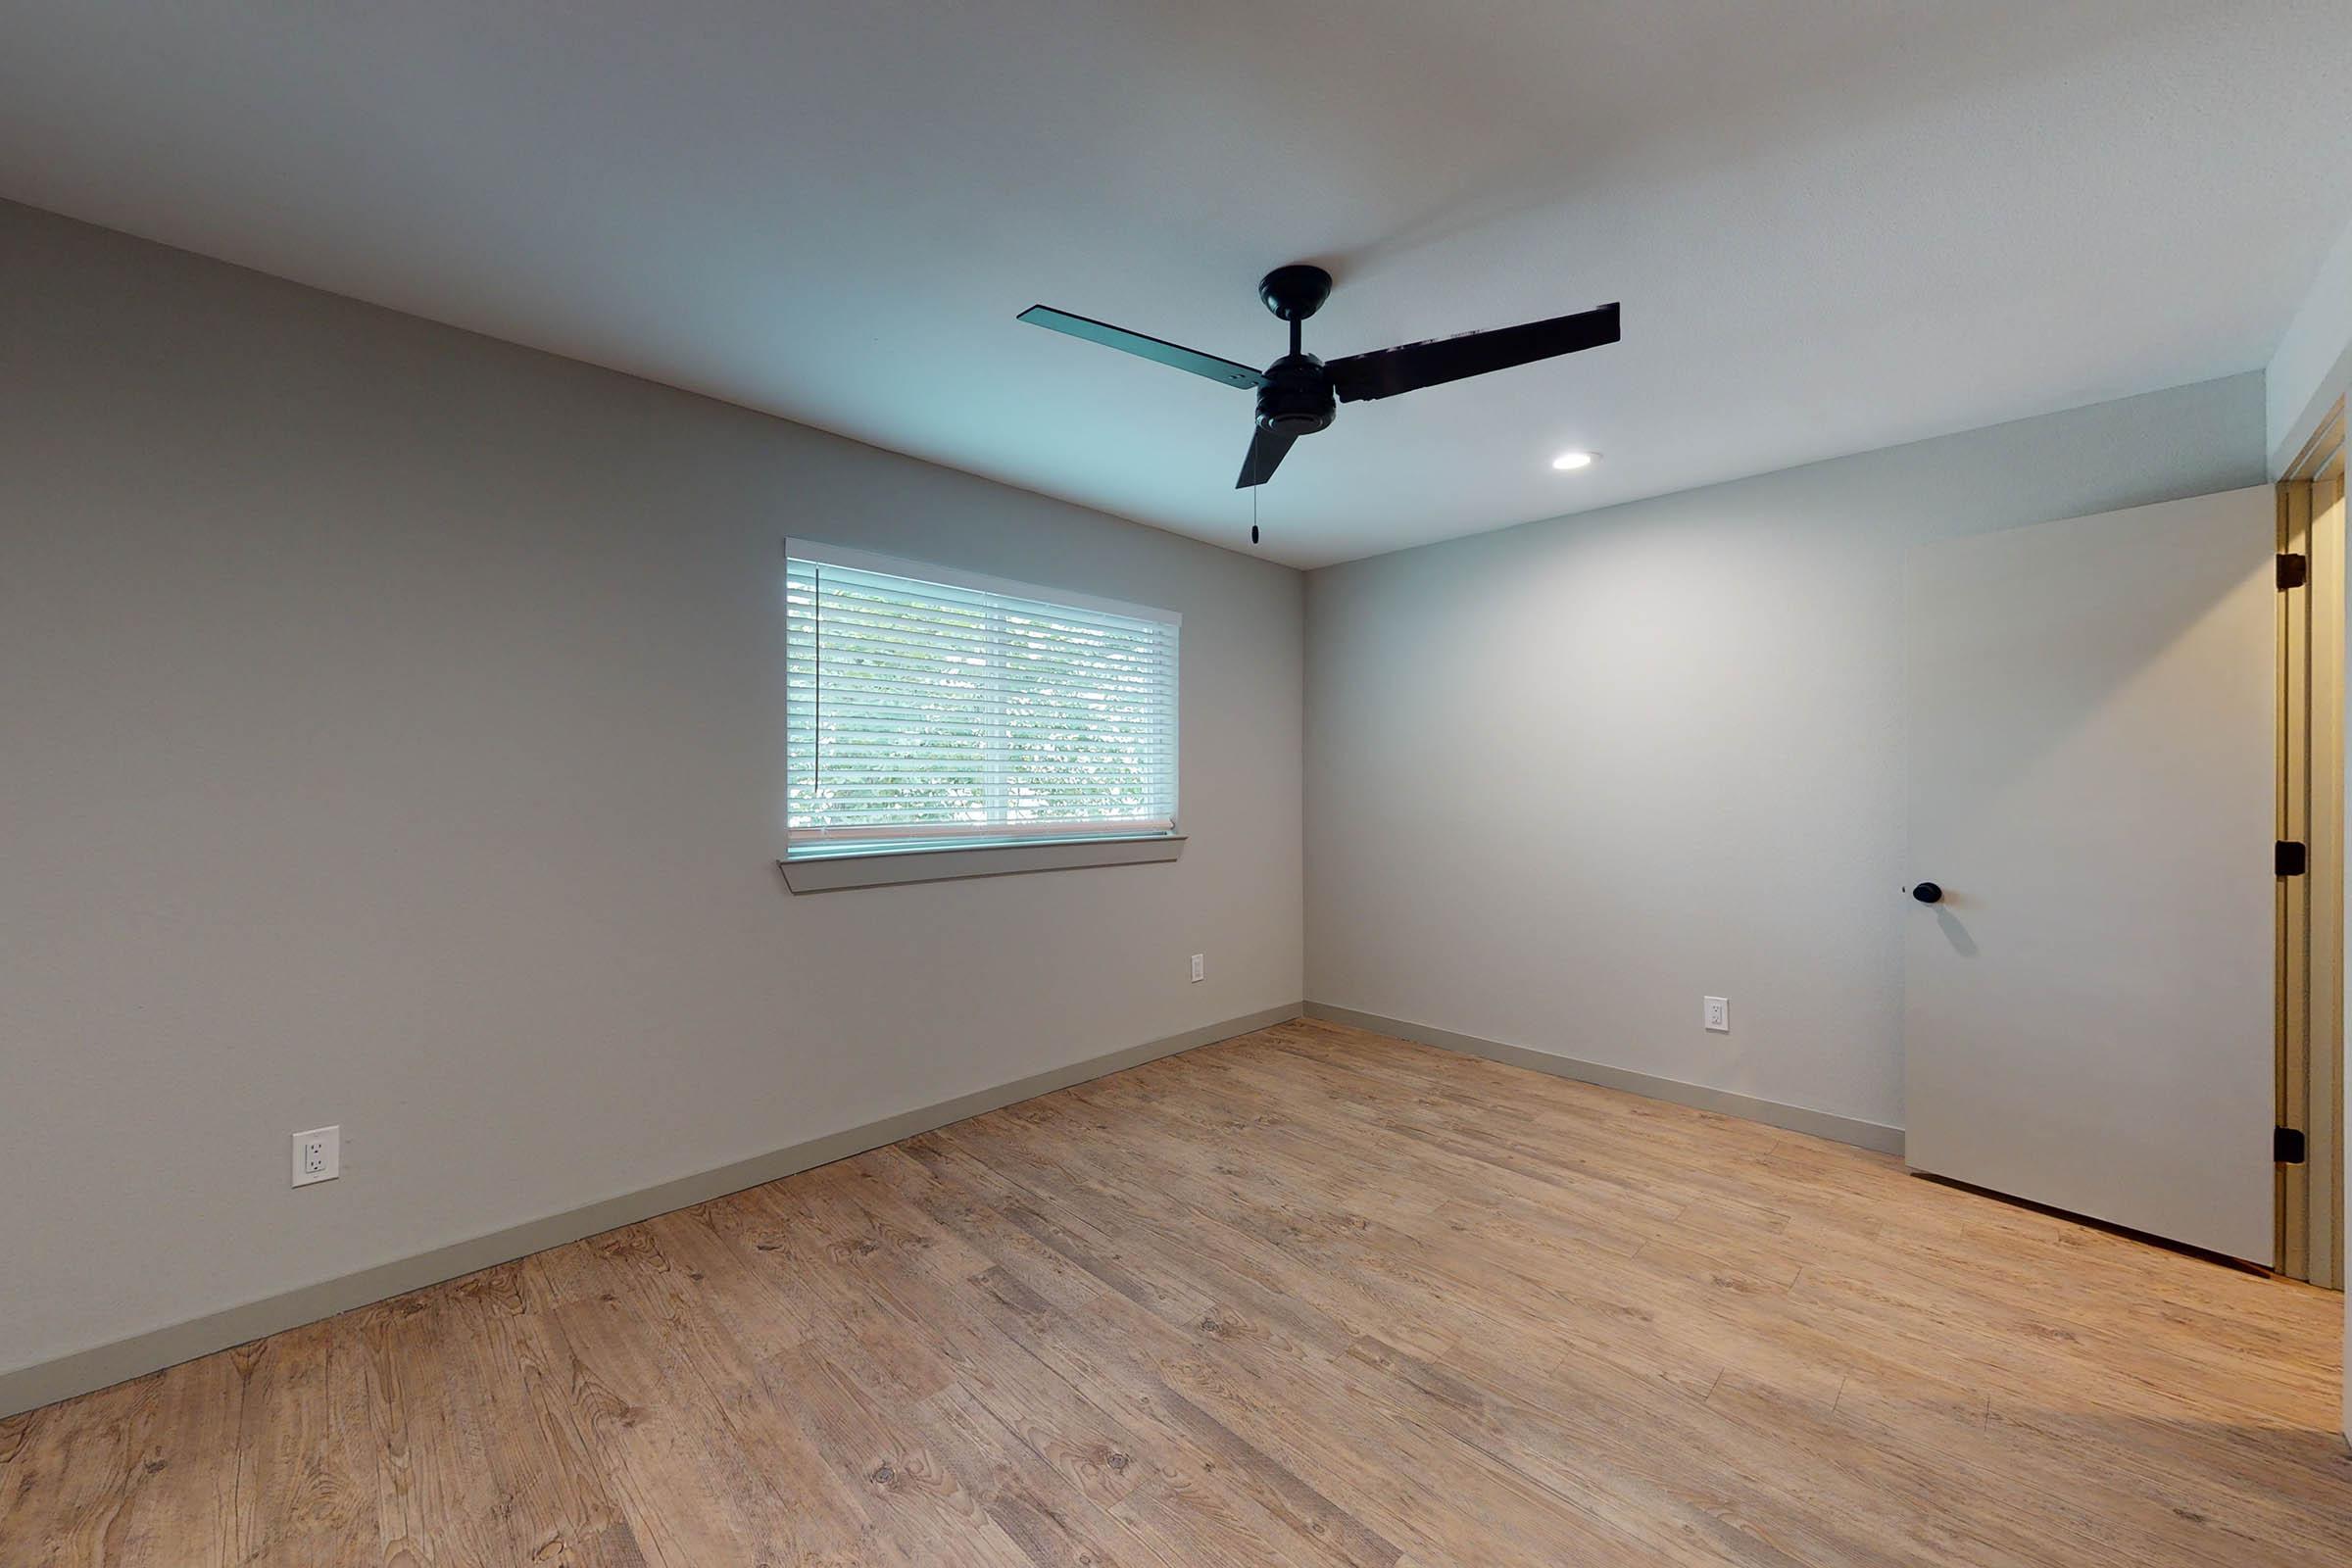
<point>1311,1297</point>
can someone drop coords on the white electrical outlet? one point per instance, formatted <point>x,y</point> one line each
<point>317,1155</point>
<point>1199,966</point>
<point>1718,1016</point>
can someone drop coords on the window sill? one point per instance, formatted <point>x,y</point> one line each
<point>823,873</point>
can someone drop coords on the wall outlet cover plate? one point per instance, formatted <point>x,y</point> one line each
<point>317,1155</point>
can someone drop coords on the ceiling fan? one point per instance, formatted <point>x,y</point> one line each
<point>1299,394</point>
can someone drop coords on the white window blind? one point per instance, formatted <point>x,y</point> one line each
<point>926,708</point>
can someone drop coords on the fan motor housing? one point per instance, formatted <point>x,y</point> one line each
<point>1297,398</point>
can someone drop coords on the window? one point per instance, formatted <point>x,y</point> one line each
<point>927,709</point>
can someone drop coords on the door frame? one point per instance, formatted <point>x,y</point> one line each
<point>2310,919</point>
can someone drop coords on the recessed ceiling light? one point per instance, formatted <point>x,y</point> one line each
<point>1570,462</point>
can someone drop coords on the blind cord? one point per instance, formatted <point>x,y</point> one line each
<point>817,731</point>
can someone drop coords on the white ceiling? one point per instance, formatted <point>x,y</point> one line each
<point>1833,223</point>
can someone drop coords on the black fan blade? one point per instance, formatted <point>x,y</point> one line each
<point>1149,348</point>
<point>1384,372</point>
<point>1266,449</point>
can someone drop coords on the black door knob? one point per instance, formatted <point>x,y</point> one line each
<point>1927,893</point>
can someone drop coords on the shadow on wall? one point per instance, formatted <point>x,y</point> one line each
<point>1954,931</point>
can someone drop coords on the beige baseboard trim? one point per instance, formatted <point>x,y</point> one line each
<point>1796,1118</point>
<point>46,1382</point>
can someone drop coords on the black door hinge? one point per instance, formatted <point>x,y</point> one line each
<point>2294,572</point>
<point>2291,858</point>
<point>2286,1146</point>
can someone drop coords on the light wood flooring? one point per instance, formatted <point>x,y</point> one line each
<point>1309,1296</point>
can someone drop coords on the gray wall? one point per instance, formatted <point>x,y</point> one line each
<point>390,725</point>
<point>1568,778</point>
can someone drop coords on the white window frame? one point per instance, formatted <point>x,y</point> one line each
<point>936,853</point>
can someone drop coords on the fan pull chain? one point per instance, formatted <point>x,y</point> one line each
<point>1253,490</point>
